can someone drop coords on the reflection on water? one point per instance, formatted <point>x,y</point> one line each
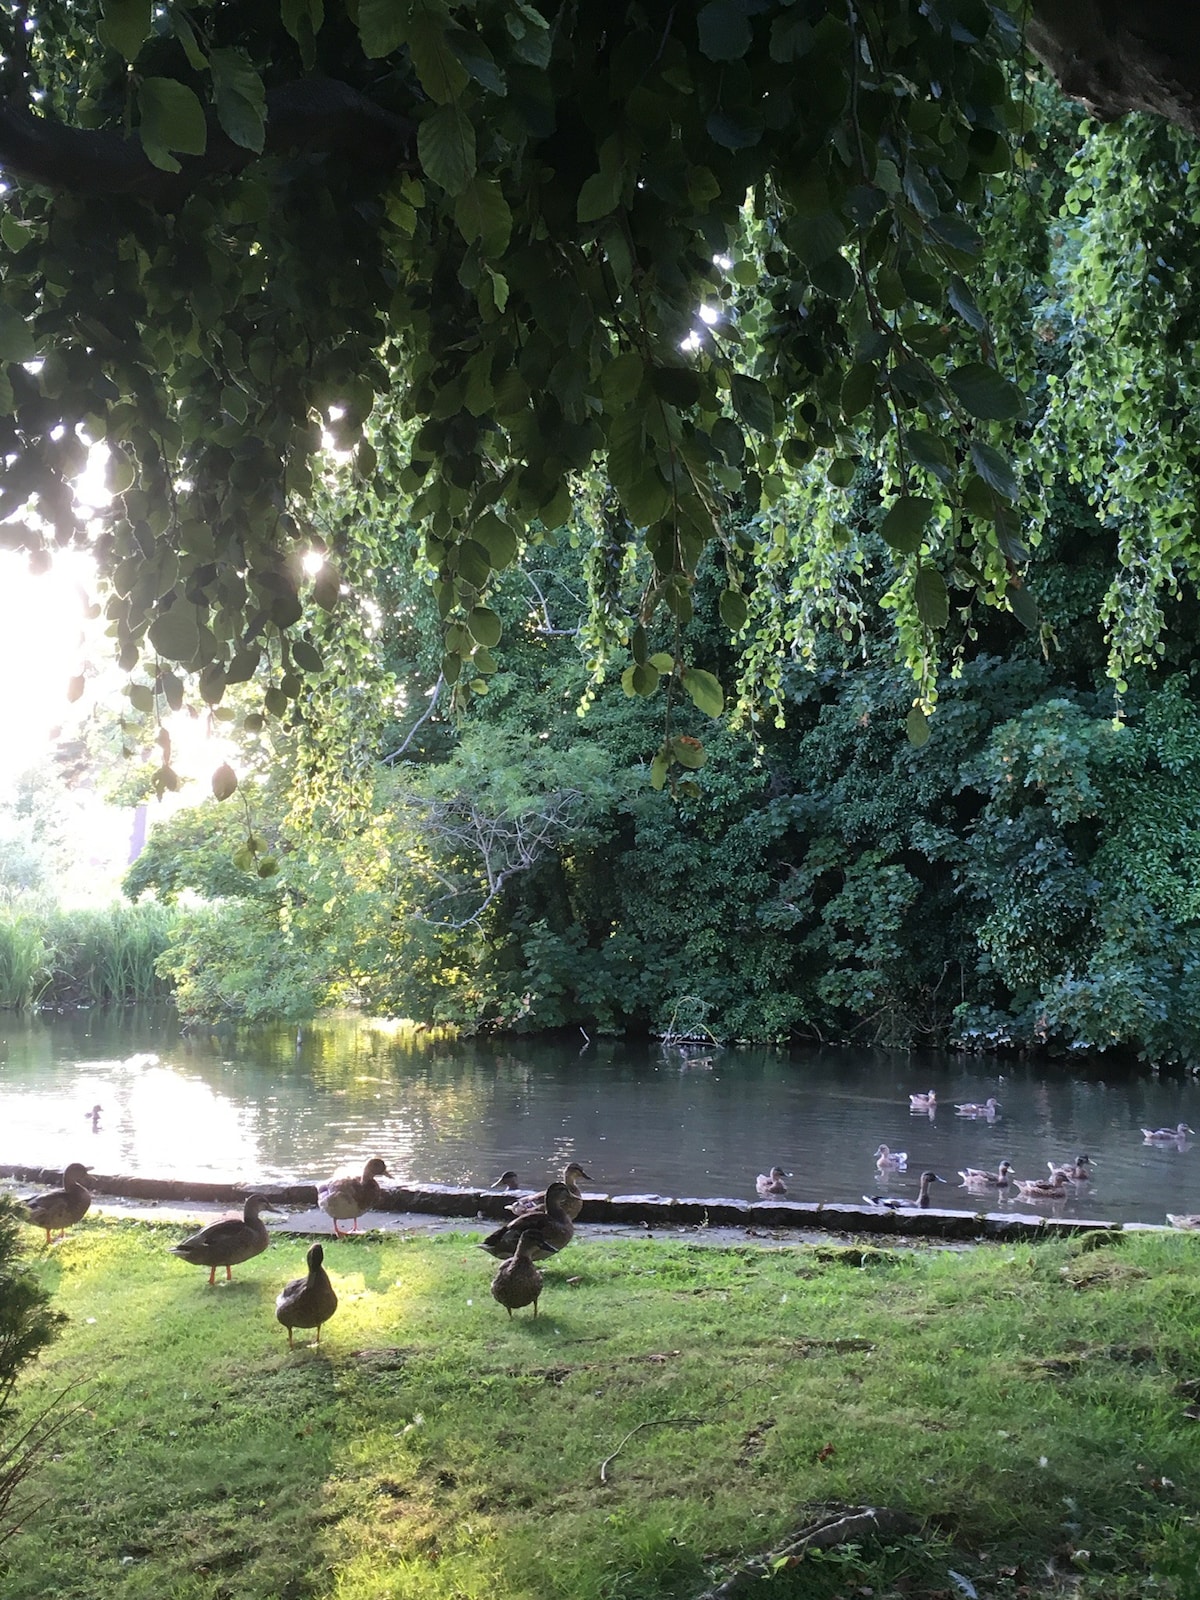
<point>281,1103</point>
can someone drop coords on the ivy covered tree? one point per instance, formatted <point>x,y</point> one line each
<point>701,250</point>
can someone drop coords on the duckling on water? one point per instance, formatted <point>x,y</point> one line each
<point>518,1282</point>
<point>307,1302</point>
<point>60,1208</point>
<point>229,1242</point>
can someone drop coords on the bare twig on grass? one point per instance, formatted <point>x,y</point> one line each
<point>834,1524</point>
<point>657,1422</point>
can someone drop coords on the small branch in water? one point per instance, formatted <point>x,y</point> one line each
<point>658,1422</point>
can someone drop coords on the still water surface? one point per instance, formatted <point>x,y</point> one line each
<point>275,1104</point>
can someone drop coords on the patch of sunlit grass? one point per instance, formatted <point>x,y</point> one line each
<point>672,1412</point>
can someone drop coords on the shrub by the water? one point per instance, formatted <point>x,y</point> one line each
<point>27,1325</point>
<point>85,956</point>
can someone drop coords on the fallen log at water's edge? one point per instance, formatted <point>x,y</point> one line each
<point>644,1210</point>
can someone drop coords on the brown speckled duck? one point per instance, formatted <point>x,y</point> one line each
<point>345,1199</point>
<point>551,1228</point>
<point>307,1302</point>
<point>518,1282</point>
<point>229,1242</point>
<point>572,1173</point>
<point>60,1208</point>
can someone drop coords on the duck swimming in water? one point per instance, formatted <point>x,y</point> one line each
<point>1167,1135</point>
<point>974,1178</point>
<point>891,1202</point>
<point>972,1108</point>
<point>769,1183</point>
<point>1043,1188</point>
<point>1077,1171</point>
<point>923,1102</point>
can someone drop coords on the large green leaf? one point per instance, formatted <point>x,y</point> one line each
<point>753,403</point>
<point>16,336</point>
<point>443,76</point>
<point>904,526</point>
<point>171,119</point>
<point>482,214</point>
<point>984,393</point>
<point>724,30</point>
<point>446,146</point>
<point>126,26</point>
<point>382,26</point>
<point>705,691</point>
<point>994,469</point>
<point>240,98</point>
<point>175,635</point>
<point>933,600</point>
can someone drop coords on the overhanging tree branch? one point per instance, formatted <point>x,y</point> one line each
<point>317,115</point>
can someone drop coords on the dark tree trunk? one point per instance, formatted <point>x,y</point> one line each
<point>1123,55</point>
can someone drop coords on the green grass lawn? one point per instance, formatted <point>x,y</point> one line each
<point>1028,1405</point>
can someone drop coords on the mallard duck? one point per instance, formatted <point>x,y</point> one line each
<point>307,1302</point>
<point>94,1116</point>
<point>1077,1171</point>
<point>894,1202</point>
<point>507,1180</point>
<point>772,1182</point>
<point>890,1160</point>
<point>572,1173</point>
<point>229,1242</point>
<point>972,1108</point>
<point>1167,1135</point>
<point>345,1199</point>
<point>974,1178</point>
<point>1043,1188</point>
<point>551,1228</point>
<point>1189,1220</point>
<point>518,1282</point>
<point>923,1102</point>
<point>60,1208</point>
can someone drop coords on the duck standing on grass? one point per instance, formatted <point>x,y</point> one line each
<point>60,1208</point>
<point>769,1183</point>
<point>345,1199</point>
<point>307,1302</point>
<point>574,1202</point>
<point>518,1282</point>
<point>551,1229</point>
<point>901,1202</point>
<point>229,1242</point>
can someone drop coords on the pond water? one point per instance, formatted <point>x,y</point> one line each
<point>281,1103</point>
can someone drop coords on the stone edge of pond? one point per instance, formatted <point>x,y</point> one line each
<point>647,1210</point>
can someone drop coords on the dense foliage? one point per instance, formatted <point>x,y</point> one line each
<point>27,1326</point>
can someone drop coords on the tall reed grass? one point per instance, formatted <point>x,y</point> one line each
<point>89,956</point>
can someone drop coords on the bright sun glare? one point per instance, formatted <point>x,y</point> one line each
<point>41,649</point>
